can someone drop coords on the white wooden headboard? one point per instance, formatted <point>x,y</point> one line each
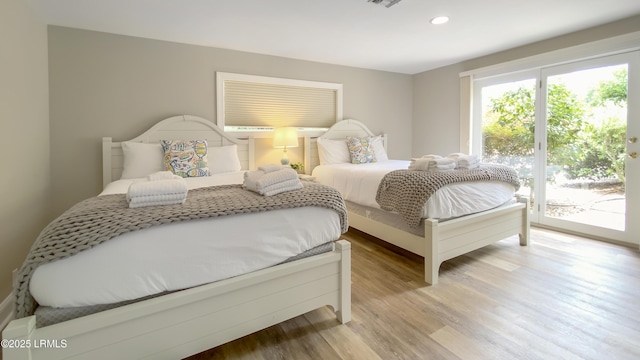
<point>183,127</point>
<point>340,130</point>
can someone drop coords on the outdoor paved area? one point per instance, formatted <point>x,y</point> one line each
<point>603,207</point>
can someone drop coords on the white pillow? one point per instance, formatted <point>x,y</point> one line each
<point>378,148</point>
<point>333,151</point>
<point>141,159</point>
<point>224,159</point>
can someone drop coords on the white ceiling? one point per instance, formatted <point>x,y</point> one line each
<point>345,32</point>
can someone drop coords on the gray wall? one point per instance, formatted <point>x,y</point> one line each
<point>24,184</point>
<point>436,93</point>
<point>111,85</point>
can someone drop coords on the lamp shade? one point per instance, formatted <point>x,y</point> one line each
<point>285,137</point>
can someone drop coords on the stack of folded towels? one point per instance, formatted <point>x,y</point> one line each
<point>465,161</point>
<point>271,180</point>
<point>432,163</point>
<point>160,188</point>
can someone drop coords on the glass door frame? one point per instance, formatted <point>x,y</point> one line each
<point>633,117</point>
<point>475,145</point>
<point>632,57</point>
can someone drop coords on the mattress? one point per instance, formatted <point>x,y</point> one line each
<point>358,183</point>
<point>47,315</point>
<point>394,219</point>
<point>176,256</point>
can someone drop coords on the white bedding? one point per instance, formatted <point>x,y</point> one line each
<point>358,183</point>
<point>181,255</point>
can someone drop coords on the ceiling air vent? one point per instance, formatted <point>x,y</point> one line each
<point>386,3</point>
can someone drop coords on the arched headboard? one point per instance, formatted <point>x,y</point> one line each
<point>183,127</point>
<point>339,130</point>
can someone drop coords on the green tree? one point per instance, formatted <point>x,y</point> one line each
<point>584,149</point>
<point>602,151</point>
<point>564,122</point>
<point>604,145</point>
<point>614,91</point>
<point>511,130</point>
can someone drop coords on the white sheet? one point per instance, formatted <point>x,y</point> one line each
<point>358,183</point>
<point>181,255</point>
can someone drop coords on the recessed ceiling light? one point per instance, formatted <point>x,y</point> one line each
<point>439,20</point>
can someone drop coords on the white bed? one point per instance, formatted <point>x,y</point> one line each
<point>438,240</point>
<point>358,184</point>
<point>186,322</point>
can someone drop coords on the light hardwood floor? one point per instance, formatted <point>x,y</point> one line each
<point>562,297</point>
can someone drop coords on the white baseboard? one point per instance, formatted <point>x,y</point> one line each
<point>7,311</point>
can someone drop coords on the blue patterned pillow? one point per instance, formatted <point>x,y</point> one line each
<point>186,158</point>
<point>361,150</point>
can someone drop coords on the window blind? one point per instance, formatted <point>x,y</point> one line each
<point>272,102</point>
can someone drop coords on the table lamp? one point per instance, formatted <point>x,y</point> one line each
<point>283,138</point>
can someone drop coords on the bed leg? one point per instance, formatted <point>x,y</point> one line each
<point>19,331</point>
<point>344,313</point>
<point>524,232</point>
<point>431,255</point>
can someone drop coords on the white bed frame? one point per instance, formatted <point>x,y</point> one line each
<point>442,240</point>
<point>187,322</point>
<point>183,127</point>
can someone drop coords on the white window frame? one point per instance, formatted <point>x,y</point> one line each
<point>266,132</point>
<point>611,46</point>
<point>475,138</point>
<point>469,80</point>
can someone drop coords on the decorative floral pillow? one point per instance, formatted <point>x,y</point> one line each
<point>361,150</point>
<point>185,158</point>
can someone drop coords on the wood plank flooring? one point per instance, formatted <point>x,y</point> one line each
<point>562,297</point>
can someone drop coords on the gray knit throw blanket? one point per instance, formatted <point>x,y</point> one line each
<point>406,191</point>
<point>101,218</point>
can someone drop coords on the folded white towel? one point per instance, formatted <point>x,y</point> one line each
<point>468,166</point>
<point>468,162</point>
<point>464,158</point>
<point>155,200</point>
<point>431,157</point>
<point>270,167</point>
<point>418,164</point>
<point>432,167</point>
<point>175,185</point>
<point>438,161</point>
<point>158,197</point>
<point>251,179</point>
<point>275,177</point>
<point>281,187</point>
<point>425,164</point>
<point>161,175</point>
<point>441,167</point>
<point>159,203</point>
<point>257,180</point>
<point>465,161</point>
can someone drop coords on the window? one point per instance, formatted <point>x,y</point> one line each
<point>255,105</point>
<point>561,119</point>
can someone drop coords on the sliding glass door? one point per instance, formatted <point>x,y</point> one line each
<point>590,124</point>
<point>571,133</point>
<point>505,133</point>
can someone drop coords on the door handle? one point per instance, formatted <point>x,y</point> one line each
<point>632,140</point>
<point>633,155</point>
